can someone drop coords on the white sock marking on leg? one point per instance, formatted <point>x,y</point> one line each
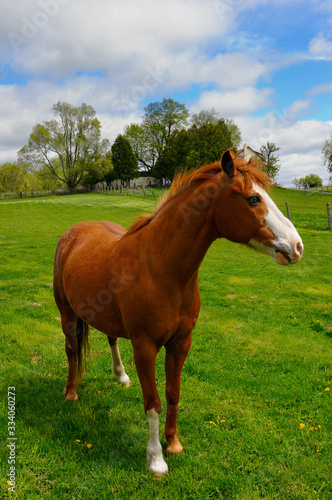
<point>154,455</point>
<point>118,368</point>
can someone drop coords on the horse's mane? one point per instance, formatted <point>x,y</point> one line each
<point>183,180</point>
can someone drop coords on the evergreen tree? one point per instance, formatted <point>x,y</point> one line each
<point>124,160</point>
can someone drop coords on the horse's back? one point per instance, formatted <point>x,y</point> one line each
<point>90,228</point>
<point>80,242</point>
<point>84,231</point>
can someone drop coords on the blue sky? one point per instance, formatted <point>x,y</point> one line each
<point>265,64</point>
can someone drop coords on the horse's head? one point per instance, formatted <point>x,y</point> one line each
<point>248,215</point>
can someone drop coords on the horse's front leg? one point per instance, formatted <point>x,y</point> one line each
<point>145,359</point>
<point>175,358</point>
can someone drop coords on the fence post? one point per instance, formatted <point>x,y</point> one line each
<point>288,212</point>
<point>144,190</point>
<point>153,193</point>
<point>328,206</point>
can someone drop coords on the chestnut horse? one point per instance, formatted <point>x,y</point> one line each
<point>142,284</point>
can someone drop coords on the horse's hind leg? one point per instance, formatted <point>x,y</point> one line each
<point>118,368</point>
<point>69,327</point>
<point>175,358</point>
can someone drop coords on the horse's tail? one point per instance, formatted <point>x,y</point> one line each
<point>83,348</point>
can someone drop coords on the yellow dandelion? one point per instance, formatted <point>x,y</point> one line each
<point>319,426</point>
<point>327,389</point>
<point>301,426</point>
<point>77,440</point>
<point>222,421</point>
<point>311,428</point>
<point>211,422</point>
<point>89,446</point>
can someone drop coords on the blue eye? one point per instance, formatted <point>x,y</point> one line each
<point>253,200</point>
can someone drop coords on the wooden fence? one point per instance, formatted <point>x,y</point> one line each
<point>328,210</point>
<point>308,191</point>
<point>140,191</point>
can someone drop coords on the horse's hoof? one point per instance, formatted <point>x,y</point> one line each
<point>71,397</point>
<point>158,468</point>
<point>124,380</point>
<point>174,447</point>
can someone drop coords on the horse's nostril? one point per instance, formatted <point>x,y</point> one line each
<point>299,248</point>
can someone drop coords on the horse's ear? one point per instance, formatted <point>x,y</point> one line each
<point>227,162</point>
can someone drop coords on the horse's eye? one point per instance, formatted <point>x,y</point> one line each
<point>253,200</point>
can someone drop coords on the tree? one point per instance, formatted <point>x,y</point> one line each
<point>297,182</point>
<point>204,117</point>
<point>12,177</point>
<point>161,118</point>
<point>150,140</point>
<point>142,145</point>
<point>271,162</point>
<point>98,170</point>
<point>327,155</point>
<point>174,157</point>
<point>235,133</point>
<point>208,142</point>
<point>124,160</point>
<point>309,181</point>
<point>198,145</point>
<point>67,146</point>
<point>211,117</point>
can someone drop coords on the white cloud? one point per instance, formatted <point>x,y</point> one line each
<point>109,35</point>
<point>23,106</point>
<point>300,165</point>
<point>322,88</point>
<point>235,103</point>
<point>300,142</point>
<point>320,47</point>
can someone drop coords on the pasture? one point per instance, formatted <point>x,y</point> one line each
<point>255,407</point>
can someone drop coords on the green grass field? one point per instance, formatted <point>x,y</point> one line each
<point>255,411</point>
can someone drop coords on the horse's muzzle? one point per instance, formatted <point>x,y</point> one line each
<point>288,254</point>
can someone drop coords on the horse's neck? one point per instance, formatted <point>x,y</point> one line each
<point>181,234</point>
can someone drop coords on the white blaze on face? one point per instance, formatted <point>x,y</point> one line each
<point>287,245</point>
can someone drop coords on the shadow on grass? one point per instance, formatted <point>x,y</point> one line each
<point>112,422</point>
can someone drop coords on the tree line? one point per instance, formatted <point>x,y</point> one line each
<point>69,150</point>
